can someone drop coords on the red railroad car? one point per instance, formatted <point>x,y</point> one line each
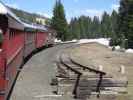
<point>41,38</point>
<point>14,55</point>
<point>2,76</point>
<point>11,49</point>
<point>30,39</point>
<point>17,41</point>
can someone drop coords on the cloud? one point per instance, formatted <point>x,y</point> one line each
<point>93,12</point>
<point>14,5</point>
<point>85,12</point>
<point>76,0</point>
<point>115,6</point>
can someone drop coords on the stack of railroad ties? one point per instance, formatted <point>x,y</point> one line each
<point>81,82</point>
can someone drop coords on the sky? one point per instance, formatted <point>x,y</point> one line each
<point>73,8</point>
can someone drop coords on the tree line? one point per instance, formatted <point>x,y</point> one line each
<point>125,23</point>
<point>87,27</point>
<point>83,26</point>
<point>118,26</point>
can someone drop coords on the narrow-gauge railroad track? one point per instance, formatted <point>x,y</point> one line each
<point>82,81</point>
<point>42,68</point>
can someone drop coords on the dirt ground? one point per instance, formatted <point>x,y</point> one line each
<point>95,55</point>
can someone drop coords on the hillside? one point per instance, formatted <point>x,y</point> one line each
<point>28,17</point>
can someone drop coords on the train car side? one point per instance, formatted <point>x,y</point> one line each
<point>41,39</point>
<point>29,45</point>
<point>12,53</point>
<point>2,76</point>
<point>20,40</point>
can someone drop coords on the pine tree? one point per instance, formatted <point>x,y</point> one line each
<point>59,22</point>
<point>106,25</point>
<point>89,26</point>
<point>114,29</point>
<point>126,21</point>
<point>96,27</point>
<point>82,26</point>
<point>114,25</point>
<point>76,29</point>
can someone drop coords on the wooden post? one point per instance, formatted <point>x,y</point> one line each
<point>99,84</point>
<point>57,89</point>
<point>76,85</point>
<point>122,69</point>
<point>100,67</point>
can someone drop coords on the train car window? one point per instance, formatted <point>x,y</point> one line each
<point>10,35</point>
<point>1,37</point>
<point>15,33</point>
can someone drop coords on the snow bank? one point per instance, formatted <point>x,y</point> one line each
<point>74,40</point>
<point>117,47</point>
<point>57,41</point>
<point>129,51</point>
<point>103,41</point>
<point>70,41</point>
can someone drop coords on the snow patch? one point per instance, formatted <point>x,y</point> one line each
<point>129,51</point>
<point>117,47</point>
<point>103,41</point>
<point>74,40</point>
<point>57,41</point>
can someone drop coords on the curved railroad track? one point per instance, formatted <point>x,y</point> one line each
<point>79,80</point>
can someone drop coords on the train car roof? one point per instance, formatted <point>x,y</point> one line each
<point>29,27</point>
<point>41,28</point>
<point>35,27</point>
<point>15,22</point>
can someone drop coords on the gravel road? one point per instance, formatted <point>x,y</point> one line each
<point>33,82</point>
